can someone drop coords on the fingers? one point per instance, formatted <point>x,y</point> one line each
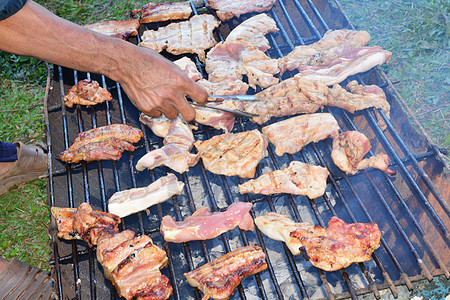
<point>198,93</point>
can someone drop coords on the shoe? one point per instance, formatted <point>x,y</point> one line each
<point>31,164</point>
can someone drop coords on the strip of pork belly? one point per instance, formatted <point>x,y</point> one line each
<point>279,227</point>
<point>219,278</point>
<point>328,48</point>
<point>349,63</point>
<point>253,31</point>
<point>229,61</point>
<point>339,245</point>
<point>203,224</point>
<point>86,92</point>
<point>159,12</point>
<point>217,119</point>
<point>233,153</point>
<point>291,135</point>
<point>108,243</point>
<point>193,36</point>
<point>118,29</point>
<point>227,9</point>
<point>297,179</point>
<point>349,150</point>
<point>119,131</point>
<point>188,66</point>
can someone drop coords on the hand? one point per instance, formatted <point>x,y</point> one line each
<point>155,85</point>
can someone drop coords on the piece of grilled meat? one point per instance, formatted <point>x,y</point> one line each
<point>159,12</point>
<point>86,92</point>
<point>227,9</point>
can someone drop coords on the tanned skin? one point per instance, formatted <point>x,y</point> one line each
<point>154,84</point>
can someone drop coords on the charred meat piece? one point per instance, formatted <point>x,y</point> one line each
<point>339,245</point>
<point>119,29</point>
<point>102,143</point>
<point>227,9</point>
<point>291,135</point>
<point>193,36</point>
<point>159,12</point>
<point>233,153</point>
<point>127,202</point>
<point>328,48</point>
<point>204,225</point>
<point>349,150</point>
<point>297,179</point>
<point>219,278</point>
<point>86,92</point>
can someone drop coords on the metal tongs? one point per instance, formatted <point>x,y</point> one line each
<point>236,112</point>
<point>237,97</point>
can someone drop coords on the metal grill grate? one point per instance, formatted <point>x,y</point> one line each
<point>409,208</point>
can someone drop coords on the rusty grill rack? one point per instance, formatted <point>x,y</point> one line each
<point>409,208</point>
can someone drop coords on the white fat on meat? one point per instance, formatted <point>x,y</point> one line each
<point>127,202</point>
<point>203,224</point>
<point>188,66</point>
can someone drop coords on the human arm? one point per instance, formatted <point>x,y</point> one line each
<point>154,84</point>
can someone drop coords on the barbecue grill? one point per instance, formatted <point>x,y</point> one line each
<point>410,208</point>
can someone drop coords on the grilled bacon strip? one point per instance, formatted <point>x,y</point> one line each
<point>119,29</point>
<point>86,92</point>
<point>219,278</point>
<point>159,12</point>
<point>227,9</point>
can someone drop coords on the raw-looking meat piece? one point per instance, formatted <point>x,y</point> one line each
<point>188,66</point>
<point>203,224</point>
<point>178,142</point>
<point>219,278</point>
<point>339,245</point>
<point>349,150</point>
<point>253,31</point>
<point>233,153</point>
<point>86,92</point>
<point>297,179</point>
<point>279,227</point>
<point>329,47</point>
<point>348,63</point>
<point>214,118</point>
<point>131,263</point>
<point>291,135</point>
<point>159,12</point>
<point>127,202</point>
<point>193,36</point>
<point>226,87</point>
<point>118,29</point>
<point>227,9</point>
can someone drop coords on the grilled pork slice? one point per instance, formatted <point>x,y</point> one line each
<point>118,29</point>
<point>297,179</point>
<point>102,143</point>
<point>203,224</point>
<point>159,12</point>
<point>291,135</point>
<point>233,153</point>
<point>86,92</point>
<point>349,150</point>
<point>193,36</point>
<point>253,31</point>
<point>214,118</point>
<point>339,245</point>
<point>225,87</point>
<point>188,66</point>
<point>227,9</point>
<point>218,278</point>
<point>279,227</point>
<point>178,142</point>
<point>108,242</point>
<point>328,48</point>
<point>348,63</point>
<point>125,203</point>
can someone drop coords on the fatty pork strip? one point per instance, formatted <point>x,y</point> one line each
<point>131,263</point>
<point>219,278</point>
<point>339,245</point>
<point>217,119</point>
<point>118,29</point>
<point>349,150</point>
<point>203,224</point>
<point>233,153</point>
<point>127,202</point>
<point>279,227</point>
<point>227,9</point>
<point>86,92</point>
<point>178,142</point>
<point>188,66</point>
<point>348,63</point>
<point>102,143</point>
<point>296,95</point>
<point>159,12</point>
<point>297,179</point>
<point>192,36</point>
<point>291,135</point>
<point>329,47</point>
